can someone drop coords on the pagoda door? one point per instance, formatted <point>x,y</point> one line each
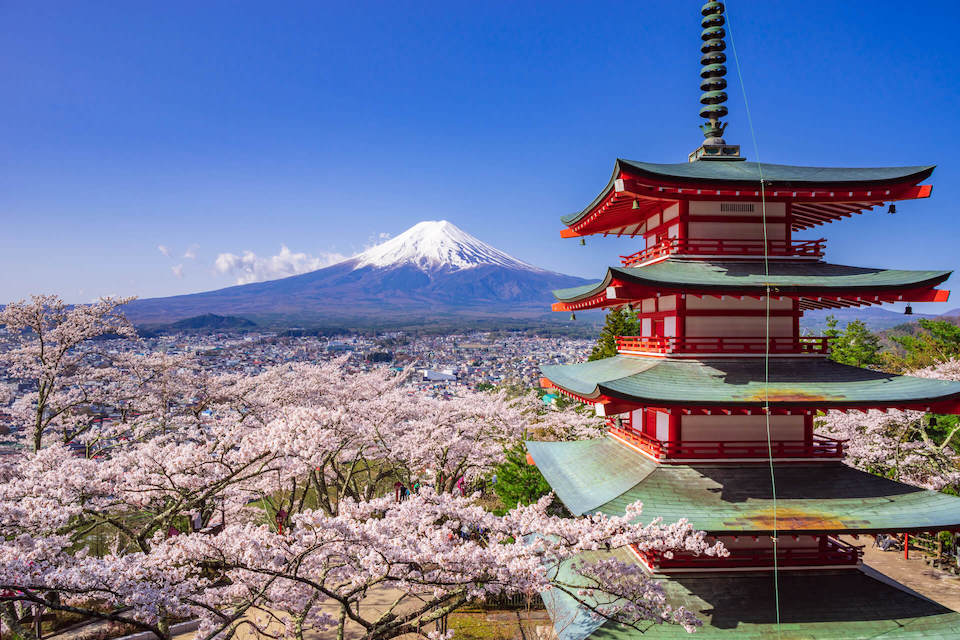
<point>659,328</point>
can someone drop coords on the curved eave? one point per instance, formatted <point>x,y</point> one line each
<point>776,175</point>
<point>812,605</point>
<point>665,183</point>
<point>745,383</point>
<point>574,218</point>
<point>748,278</point>
<point>603,476</point>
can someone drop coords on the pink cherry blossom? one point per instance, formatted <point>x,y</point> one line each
<point>268,500</point>
<point>898,443</point>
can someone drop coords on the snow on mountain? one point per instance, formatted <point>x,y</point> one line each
<point>437,244</point>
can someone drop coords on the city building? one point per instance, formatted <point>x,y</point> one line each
<point>711,409</point>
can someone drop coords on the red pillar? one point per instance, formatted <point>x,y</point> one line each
<point>673,427</point>
<point>684,215</point>
<point>788,232</point>
<point>796,321</point>
<point>906,546</point>
<point>681,319</point>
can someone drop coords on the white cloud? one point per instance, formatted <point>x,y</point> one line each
<point>177,270</point>
<point>250,267</point>
<point>191,252</point>
<point>164,250</point>
<point>376,238</point>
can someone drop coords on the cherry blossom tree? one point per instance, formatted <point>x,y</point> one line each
<point>432,553</point>
<point>900,444</point>
<point>265,501</point>
<point>190,540</point>
<point>49,336</point>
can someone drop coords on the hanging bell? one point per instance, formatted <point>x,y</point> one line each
<point>636,204</point>
<point>583,242</point>
<point>908,311</point>
<point>933,421</point>
<point>892,208</point>
<point>573,315</point>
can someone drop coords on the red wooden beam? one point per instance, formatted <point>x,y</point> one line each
<point>831,201</point>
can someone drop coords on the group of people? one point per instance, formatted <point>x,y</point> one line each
<point>402,491</point>
<point>478,485</point>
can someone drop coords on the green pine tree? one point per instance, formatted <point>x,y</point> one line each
<point>855,345</point>
<point>619,323</point>
<point>519,483</point>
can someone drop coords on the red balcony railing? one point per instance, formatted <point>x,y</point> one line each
<point>727,248</point>
<point>778,345</point>
<point>833,553</point>
<point>819,447</point>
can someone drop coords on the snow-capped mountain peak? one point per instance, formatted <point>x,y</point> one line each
<point>437,244</point>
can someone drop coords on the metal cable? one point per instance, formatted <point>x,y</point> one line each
<point>768,288</point>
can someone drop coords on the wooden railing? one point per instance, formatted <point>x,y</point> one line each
<point>727,345</point>
<point>834,552</point>
<point>818,447</point>
<point>731,248</point>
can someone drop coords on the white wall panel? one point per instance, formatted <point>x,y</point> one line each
<point>713,428</point>
<point>737,326</point>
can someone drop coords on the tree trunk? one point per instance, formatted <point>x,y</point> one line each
<point>343,620</point>
<point>8,614</point>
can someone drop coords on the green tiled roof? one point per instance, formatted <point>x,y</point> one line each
<point>799,382</point>
<point>821,605</point>
<point>751,277</point>
<point>586,474</point>
<point>776,175</point>
<point>827,497</point>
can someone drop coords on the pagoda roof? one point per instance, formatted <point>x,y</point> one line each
<point>589,476</point>
<point>780,175</point>
<point>799,278</point>
<point>858,188</point>
<point>811,383</point>
<point>820,605</point>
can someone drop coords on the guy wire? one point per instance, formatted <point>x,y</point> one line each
<point>766,356</point>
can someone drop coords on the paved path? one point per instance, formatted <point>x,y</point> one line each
<point>376,602</point>
<point>915,574</point>
<point>469,625</point>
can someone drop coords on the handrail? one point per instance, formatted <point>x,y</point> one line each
<point>818,447</point>
<point>732,248</point>
<point>835,552</point>
<point>725,344</point>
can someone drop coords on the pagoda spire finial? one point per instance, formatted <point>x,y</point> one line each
<point>712,83</point>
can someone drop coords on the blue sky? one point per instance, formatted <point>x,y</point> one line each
<point>208,128</point>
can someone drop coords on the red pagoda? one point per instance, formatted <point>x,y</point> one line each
<point>711,408</point>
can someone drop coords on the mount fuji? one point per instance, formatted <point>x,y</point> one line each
<point>432,272</point>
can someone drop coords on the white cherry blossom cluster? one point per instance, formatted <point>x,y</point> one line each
<point>268,500</point>
<point>897,443</point>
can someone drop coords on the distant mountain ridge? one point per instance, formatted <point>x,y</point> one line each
<point>876,318</point>
<point>434,271</point>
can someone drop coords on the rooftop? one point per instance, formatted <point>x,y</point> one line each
<point>605,476</point>
<point>623,200</point>
<point>752,278</point>
<point>739,382</point>
<point>813,605</point>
